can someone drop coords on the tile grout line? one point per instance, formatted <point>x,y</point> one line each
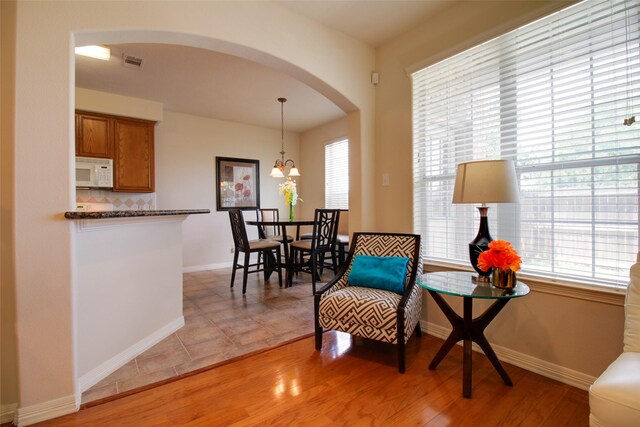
<point>191,359</point>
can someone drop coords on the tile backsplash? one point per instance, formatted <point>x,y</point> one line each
<point>120,201</point>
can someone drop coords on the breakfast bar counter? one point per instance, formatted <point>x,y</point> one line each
<point>128,269</point>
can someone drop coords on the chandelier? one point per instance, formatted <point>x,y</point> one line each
<point>281,163</point>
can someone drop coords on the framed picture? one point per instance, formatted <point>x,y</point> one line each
<point>237,183</point>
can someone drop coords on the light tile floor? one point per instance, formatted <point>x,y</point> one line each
<point>220,324</point>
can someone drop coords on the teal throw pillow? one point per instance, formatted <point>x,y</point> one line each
<point>379,272</point>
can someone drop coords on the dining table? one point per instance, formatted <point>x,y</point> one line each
<point>270,265</point>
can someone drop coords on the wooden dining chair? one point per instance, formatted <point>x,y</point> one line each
<point>266,247</point>
<point>308,255</point>
<point>272,232</point>
<point>342,237</point>
<point>267,231</point>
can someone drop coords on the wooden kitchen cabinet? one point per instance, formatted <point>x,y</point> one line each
<point>133,162</point>
<point>94,135</point>
<point>129,142</point>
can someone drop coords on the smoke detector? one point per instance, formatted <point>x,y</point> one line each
<point>130,61</point>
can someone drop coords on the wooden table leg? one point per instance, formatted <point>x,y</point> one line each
<point>455,335</point>
<point>269,267</point>
<point>478,337</point>
<point>469,330</point>
<point>467,352</point>
<point>285,245</point>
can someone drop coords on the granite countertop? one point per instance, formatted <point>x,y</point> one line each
<point>131,214</point>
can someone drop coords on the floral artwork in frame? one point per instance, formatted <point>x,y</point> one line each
<point>237,183</point>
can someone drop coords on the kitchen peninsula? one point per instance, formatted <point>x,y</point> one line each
<point>128,267</point>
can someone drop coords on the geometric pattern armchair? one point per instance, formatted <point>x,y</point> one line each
<point>373,313</point>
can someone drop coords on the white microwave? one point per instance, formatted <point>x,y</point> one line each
<point>94,173</point>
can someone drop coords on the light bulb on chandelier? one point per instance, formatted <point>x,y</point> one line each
<point>281,163</point>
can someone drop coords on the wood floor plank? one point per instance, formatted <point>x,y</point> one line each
<point>351,382</point>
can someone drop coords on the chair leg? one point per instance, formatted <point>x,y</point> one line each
<point>401,356</point>
<point>313,272</point>
<point>341,254</point>
<point>245,272</point>
<point>235,264</point>
<point>316,304</point>
<point>279,266</point>
<point>334,261</point>
<point>318,338</point>
<point>400,337</point>
<point>290,266</point>
<point>418,330</point>
<point>321,264</point>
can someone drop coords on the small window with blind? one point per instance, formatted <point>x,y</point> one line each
<point>336,175</point>
<point>557,97</point>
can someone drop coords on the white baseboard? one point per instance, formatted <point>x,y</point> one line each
<point>524,361</point>
<point>45,411</point>
<point>96,375</point>
<point>8,412</point>
<point>205,267</point>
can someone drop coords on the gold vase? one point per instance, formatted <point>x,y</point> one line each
<point>503,279</point>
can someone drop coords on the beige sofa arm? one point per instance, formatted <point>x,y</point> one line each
<point>632,310</point>
<point>614,398</point>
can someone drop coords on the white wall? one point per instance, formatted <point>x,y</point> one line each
<point>186,150</point>
<point>569,332</point>
<point>45,280</point>
<point>129,289</point>
<point>119,105</point>
<point>8,356</point>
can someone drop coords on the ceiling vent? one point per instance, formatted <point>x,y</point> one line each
<point>130,61</point>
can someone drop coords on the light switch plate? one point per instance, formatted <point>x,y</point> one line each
<point>385,179</point>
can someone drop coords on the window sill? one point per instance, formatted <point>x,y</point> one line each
<point>583,291</point>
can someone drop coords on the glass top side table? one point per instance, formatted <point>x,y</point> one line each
<point>466,328</point>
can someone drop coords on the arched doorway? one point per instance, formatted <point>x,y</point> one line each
<point>281,65</point>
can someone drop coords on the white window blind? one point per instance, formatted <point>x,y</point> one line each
<point>336,172</point>
<point>552,96</point>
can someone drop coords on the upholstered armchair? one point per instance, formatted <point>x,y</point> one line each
<point>614,398</point>
<point>368,309</point>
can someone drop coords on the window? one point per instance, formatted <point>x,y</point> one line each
<point>336,175</point>
<point>552,96</point>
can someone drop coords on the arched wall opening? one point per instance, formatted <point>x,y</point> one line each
<point>221,46</point>
<point>163,37</point>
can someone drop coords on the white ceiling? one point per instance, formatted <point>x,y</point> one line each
<point>204,83</point>
<point>210,84</point>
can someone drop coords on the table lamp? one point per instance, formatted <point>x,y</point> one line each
<point>486,181</point>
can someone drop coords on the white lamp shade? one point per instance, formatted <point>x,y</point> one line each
<point>486,181</point>
<point>294,172</point>
<point>276,172</point>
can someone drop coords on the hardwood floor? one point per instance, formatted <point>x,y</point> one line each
<point>351,382</point>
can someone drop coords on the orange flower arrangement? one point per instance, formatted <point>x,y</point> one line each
<point>500,255</point>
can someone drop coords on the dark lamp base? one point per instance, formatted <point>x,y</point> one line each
<point>480,243</point>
